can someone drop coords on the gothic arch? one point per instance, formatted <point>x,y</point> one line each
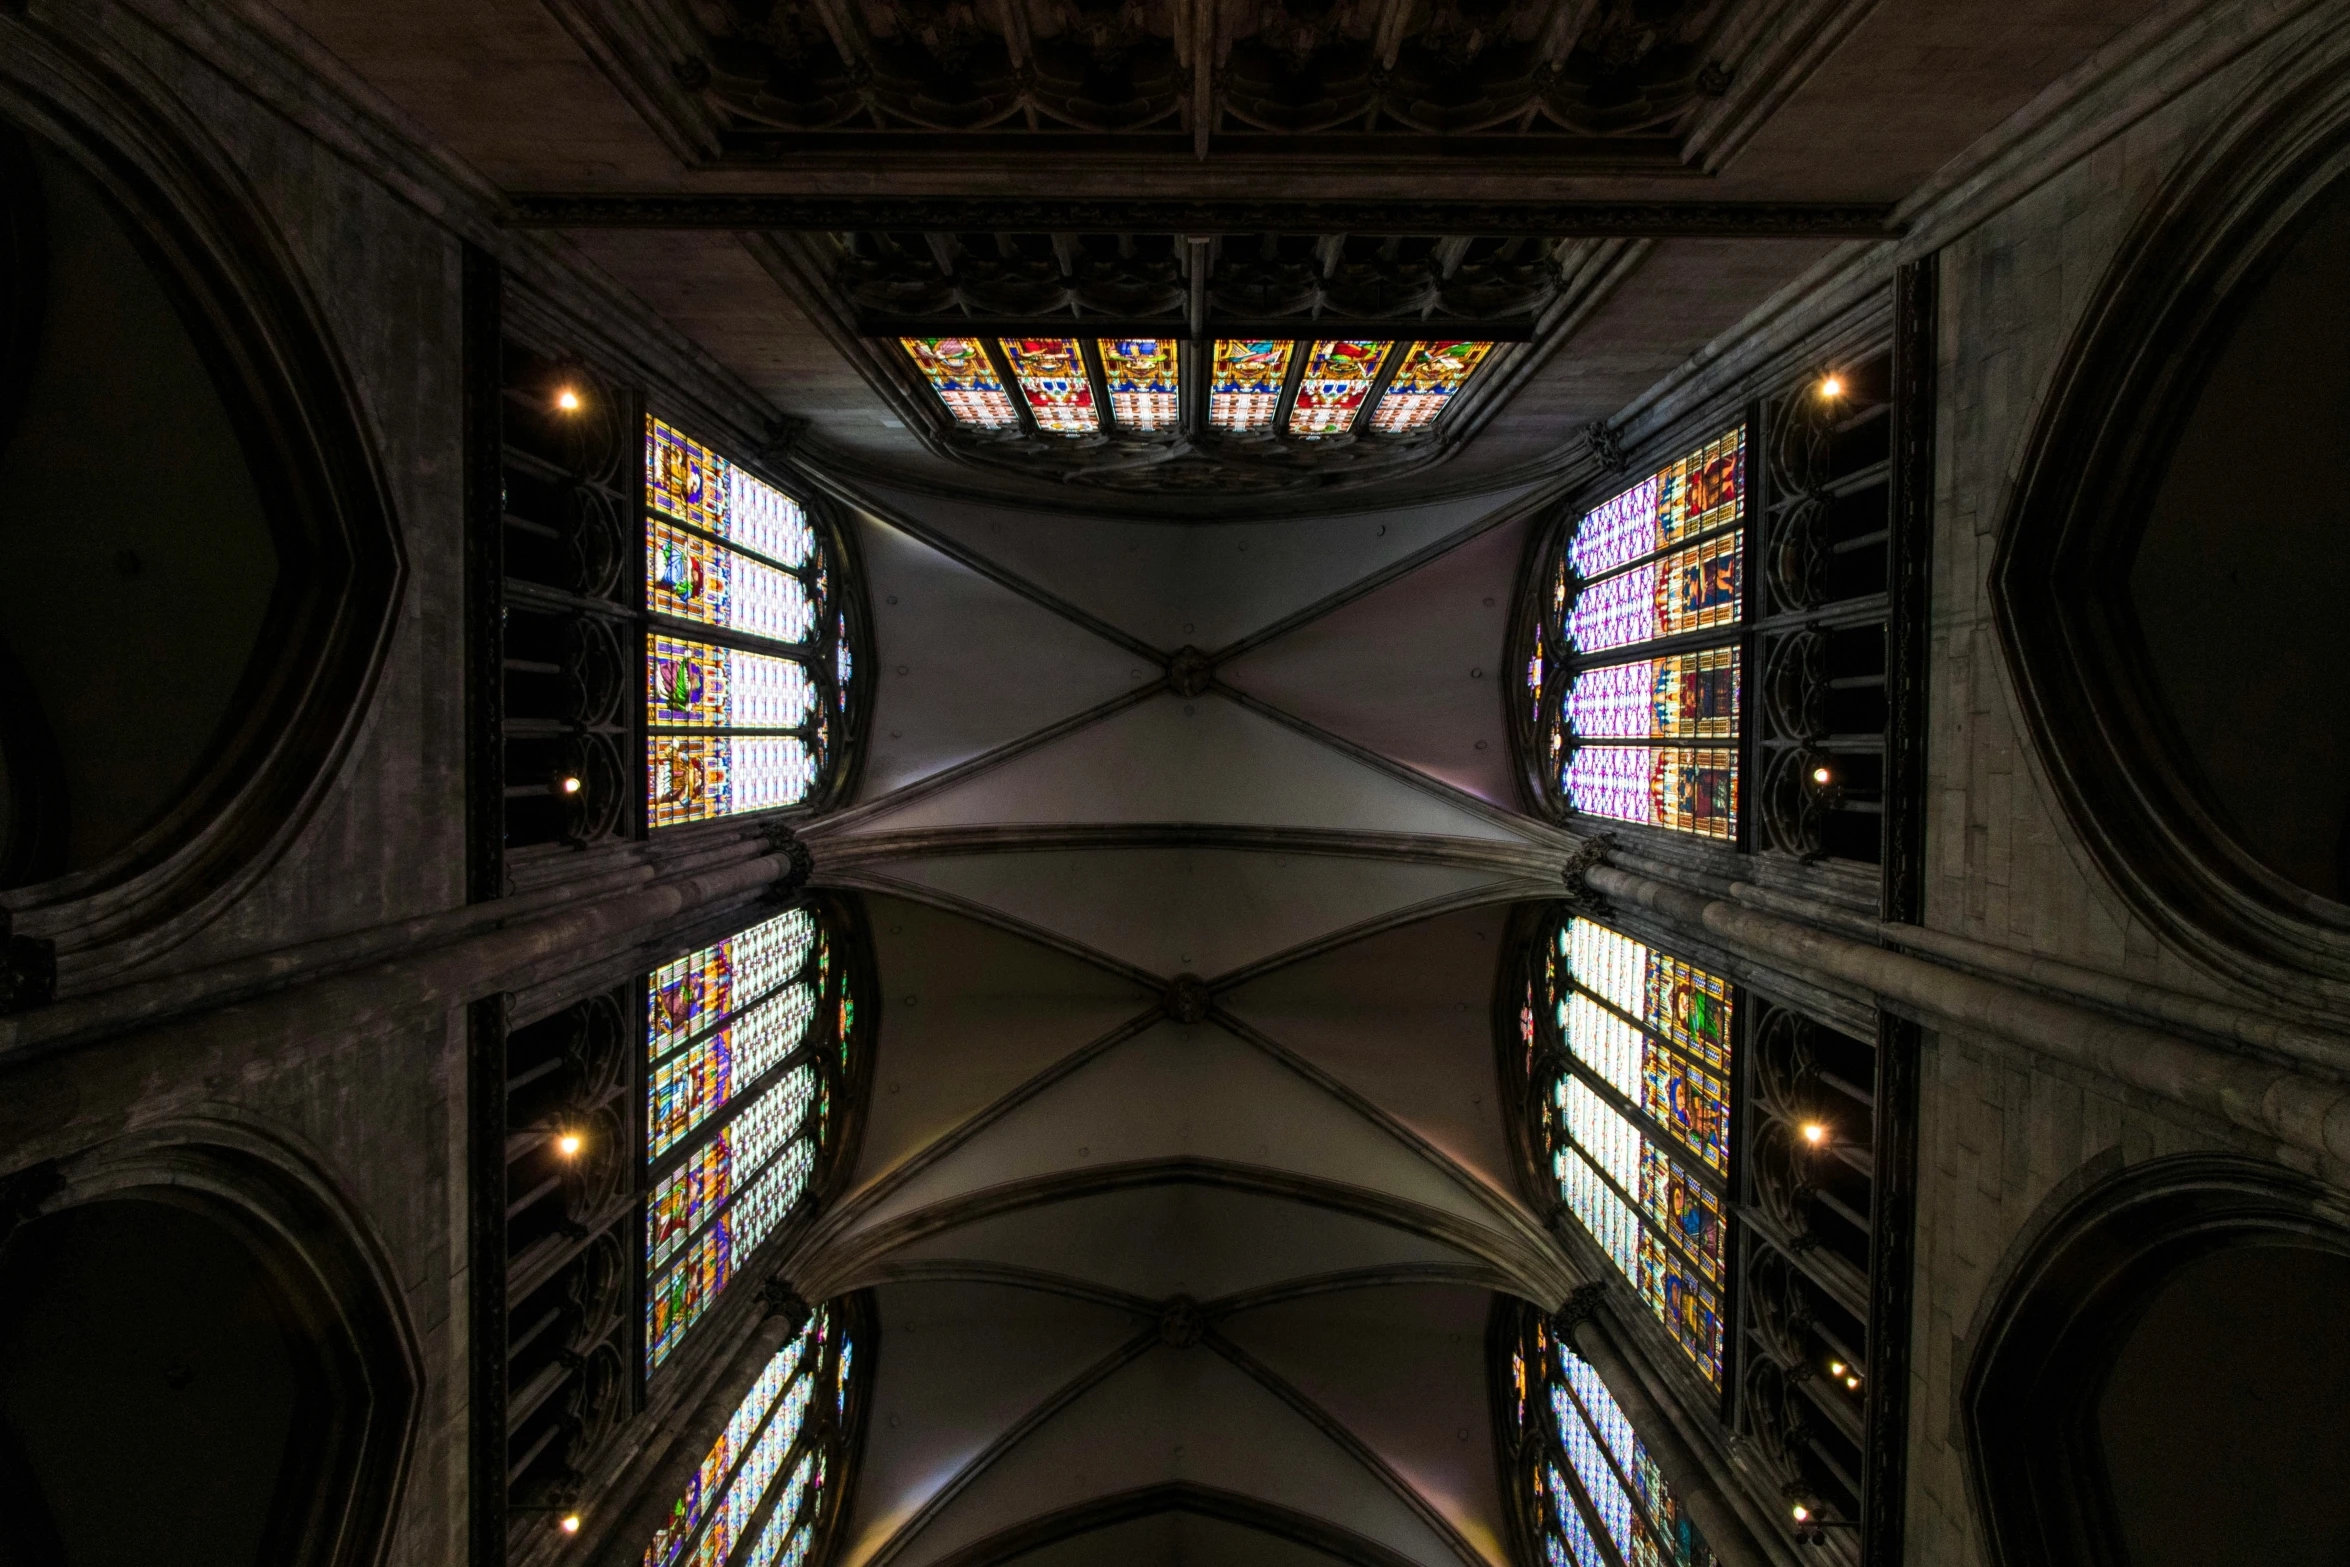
<point>246,1200</point>
<point>293,412</point>
<point>2130,390</point>
<point>2076,1291</point>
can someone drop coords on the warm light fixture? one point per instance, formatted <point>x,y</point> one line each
<point>570,1523</point>
<point>570,785</point>
<point>568,401</point>
<point>568,1143</point>
<point>1814,1133</point>
<point>1853,1383</point>
<point>1832,386</point>
<point>1820,775</point>
<point>1835,1368</point>
<point>1801,1512</point>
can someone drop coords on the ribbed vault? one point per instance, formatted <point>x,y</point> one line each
<point>1183,1191</point>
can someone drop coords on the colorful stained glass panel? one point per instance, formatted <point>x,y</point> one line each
<point>1686,789</point>
<point>1337,379</point>
<point>1689,696</point>
<point>1682,1097</point>
<point>701,988</point>
<point>683,1294</point>
<point>691,578</point>
<point>1704,490</point>
<point>708,1179</point>
<point>762,518</point>
<point>1668,1525</point>
<point>1426,380</point>
<point>1695,589</point>
<point>701,1079</point>
<point>694,778</point>
<point>701,684</point>
<point>1245,390</point>
<point>1145,382</point>
<point>703,1486</point>
<point>1052,376</point>
<point>684,478</point>
<point>959,370</point>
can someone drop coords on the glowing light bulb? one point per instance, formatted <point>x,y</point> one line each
<point>571,786</point>
<point>1852,1382</point>
<point>1835,1368</point>
<point>568,1143</point>
<point>1814,1133</point>
<point>1832,387</point>
<point>1821,775</point>
<point>567,400</point>
<point>1802,1513</point>
<point>570,1524</point>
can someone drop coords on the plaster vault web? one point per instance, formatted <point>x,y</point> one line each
<point>1183,1191</point>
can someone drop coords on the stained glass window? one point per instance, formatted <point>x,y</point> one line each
<point>760,1494</point>
<point>1052,376</point>
<point>1426,380</point>
<point>1581,1474</point>
<point>959,370</point>
<point>748,1042</point>
<point>1634,641</point>
<point>1145,382</point>
<point>1064,383</point>
<point>1336,383</point>
<point>1245,392</point>
<point>1626,1055</point>
<point>736,725</point>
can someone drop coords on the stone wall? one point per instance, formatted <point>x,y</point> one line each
<point>2006,1135</point>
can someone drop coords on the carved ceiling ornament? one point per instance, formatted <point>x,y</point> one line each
<point>1194,73</point>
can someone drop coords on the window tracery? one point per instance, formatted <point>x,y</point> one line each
<point>753,1061</point>
<point>766,1492</point>
<point>1631,704</point>
<point>1623,1063</point>
<point>1588,1491</point>
<point>749,661</point>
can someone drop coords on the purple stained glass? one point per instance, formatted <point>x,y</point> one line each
<point>1690,696</point>
<point>1616,532</point>
<point>1695,589</point>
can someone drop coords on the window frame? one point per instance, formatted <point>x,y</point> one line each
<point>834,551</point>
<point>1539,617</point>
<point>1524,1342</point>
<point>831,1427</point>
<point>1532,1069</point>
<point>843,1071</point>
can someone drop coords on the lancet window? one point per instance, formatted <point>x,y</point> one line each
<point>750,669</point>
<point>1300,388</point>
<point>753,1057</point>
<point>1630,705</point>
<point>1588,1491</point>
<point>1623,1065</point>
<point>768,1490</point>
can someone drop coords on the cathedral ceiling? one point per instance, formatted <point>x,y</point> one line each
<point>1187,823</point>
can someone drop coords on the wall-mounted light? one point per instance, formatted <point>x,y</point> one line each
<point>1814,1133</point>
<point>568,1144</point>
<point>1831,387</point>
<point>567,400</point>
